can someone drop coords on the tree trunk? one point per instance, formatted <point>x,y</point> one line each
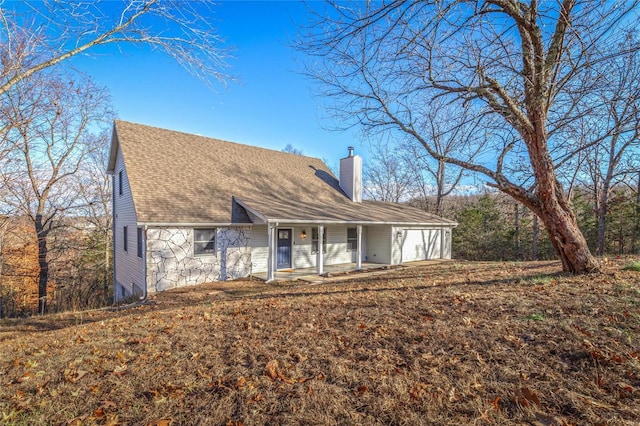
<point>536,238</point>
<point>551,204</point>
<point>43,263</point>
<point>569,243</point>
<point>601,214</point>
<point>635,247</point>
<point>516,229</point>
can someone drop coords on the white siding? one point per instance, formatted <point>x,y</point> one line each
<point>337,246</point>
<point>259,249</point>
<point>420,244</point>
<point>396,245</point>
<point>129,267</point>
<point>446,243</point>
<point>335,254</point>
<point>302,256</point>
<point>378,247</point>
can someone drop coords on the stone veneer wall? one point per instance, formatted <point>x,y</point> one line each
<point>171,263</point>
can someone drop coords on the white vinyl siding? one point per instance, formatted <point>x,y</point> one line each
<point>446,243</point>
<point>302,256</point>
<point>420,244</point>
<point>259,248</point>
<point>129,267</point>
<point>378,247</point>
<point>337,246</point>
<point>412,243</point>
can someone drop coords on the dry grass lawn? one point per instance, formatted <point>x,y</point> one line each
<point>456,343</point>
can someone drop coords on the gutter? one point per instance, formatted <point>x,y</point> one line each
<point>360,222</point>
<point>189,224</point>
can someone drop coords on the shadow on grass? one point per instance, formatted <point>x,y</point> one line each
<point>230,291</point>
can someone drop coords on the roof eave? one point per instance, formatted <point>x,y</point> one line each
<point>113,151</point>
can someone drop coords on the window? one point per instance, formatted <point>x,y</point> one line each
<point>352,239</point>
<point>139,242</point>
<point>314,240</point>
<point>204,241</point>
<point>120,182</point>
<point>124,238</point>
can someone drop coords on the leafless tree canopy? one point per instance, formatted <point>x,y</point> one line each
<point>53,126</point>
<point>524,70</point>
<point>37,35</point>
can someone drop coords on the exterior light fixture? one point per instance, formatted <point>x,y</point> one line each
<point>303,235</point>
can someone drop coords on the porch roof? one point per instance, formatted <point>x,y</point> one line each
<point>273,209</point>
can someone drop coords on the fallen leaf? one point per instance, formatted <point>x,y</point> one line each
<point>271,369</point>
<point>496,404</point>
<point>161,422</point>
<point>417,390</point>
<point>526,397</point>
<point>98,413</point>
<point>361,390</point>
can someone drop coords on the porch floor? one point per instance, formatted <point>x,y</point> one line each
<point>343,271</point>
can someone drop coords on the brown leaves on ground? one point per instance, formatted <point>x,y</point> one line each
<point>455,343</point>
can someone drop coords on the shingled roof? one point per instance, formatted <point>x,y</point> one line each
<point>178,177</point>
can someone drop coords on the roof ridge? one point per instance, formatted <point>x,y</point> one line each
<point>192,135</point>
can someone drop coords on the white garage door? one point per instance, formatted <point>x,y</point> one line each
<point>420,244</point>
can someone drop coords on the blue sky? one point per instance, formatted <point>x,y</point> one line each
<point>271,104</point>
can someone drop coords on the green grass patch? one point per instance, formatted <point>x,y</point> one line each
<point>535,317</point>
<point>633,266</point>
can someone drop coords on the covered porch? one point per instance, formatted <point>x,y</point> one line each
<point>292,249</point>
<point>311,274</point>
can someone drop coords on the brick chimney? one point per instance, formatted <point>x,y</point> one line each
<point>351,176</point>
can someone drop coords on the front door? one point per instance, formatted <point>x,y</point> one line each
<point>284,248</point>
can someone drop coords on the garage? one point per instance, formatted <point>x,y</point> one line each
<point>420,244</point>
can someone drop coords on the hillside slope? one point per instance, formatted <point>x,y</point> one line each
<point>456,343</point>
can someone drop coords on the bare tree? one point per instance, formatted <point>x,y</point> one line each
<point>524,65</point>
<point>389,175</point>
<point>292,150</point>
<point>36,36</point>
<point>51,124</point>
<point>95,200</point>
<point>612,133</point>
<point>450,132</point>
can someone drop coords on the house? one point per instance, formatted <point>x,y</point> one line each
<point>190,209</point>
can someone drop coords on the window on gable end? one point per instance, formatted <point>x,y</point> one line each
<point>120,182</point>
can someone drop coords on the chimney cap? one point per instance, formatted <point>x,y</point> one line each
<point>350,151</point>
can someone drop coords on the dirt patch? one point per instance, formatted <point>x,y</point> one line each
<point>456,343</point>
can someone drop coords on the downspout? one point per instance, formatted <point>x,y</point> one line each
<point>113,235</point>
<point>144,265</point>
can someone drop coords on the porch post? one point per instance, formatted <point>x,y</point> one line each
<point>270,255</point>
<point>359,248</point>
<point>320,262</point>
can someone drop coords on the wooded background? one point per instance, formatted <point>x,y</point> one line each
<point>520,120</point>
